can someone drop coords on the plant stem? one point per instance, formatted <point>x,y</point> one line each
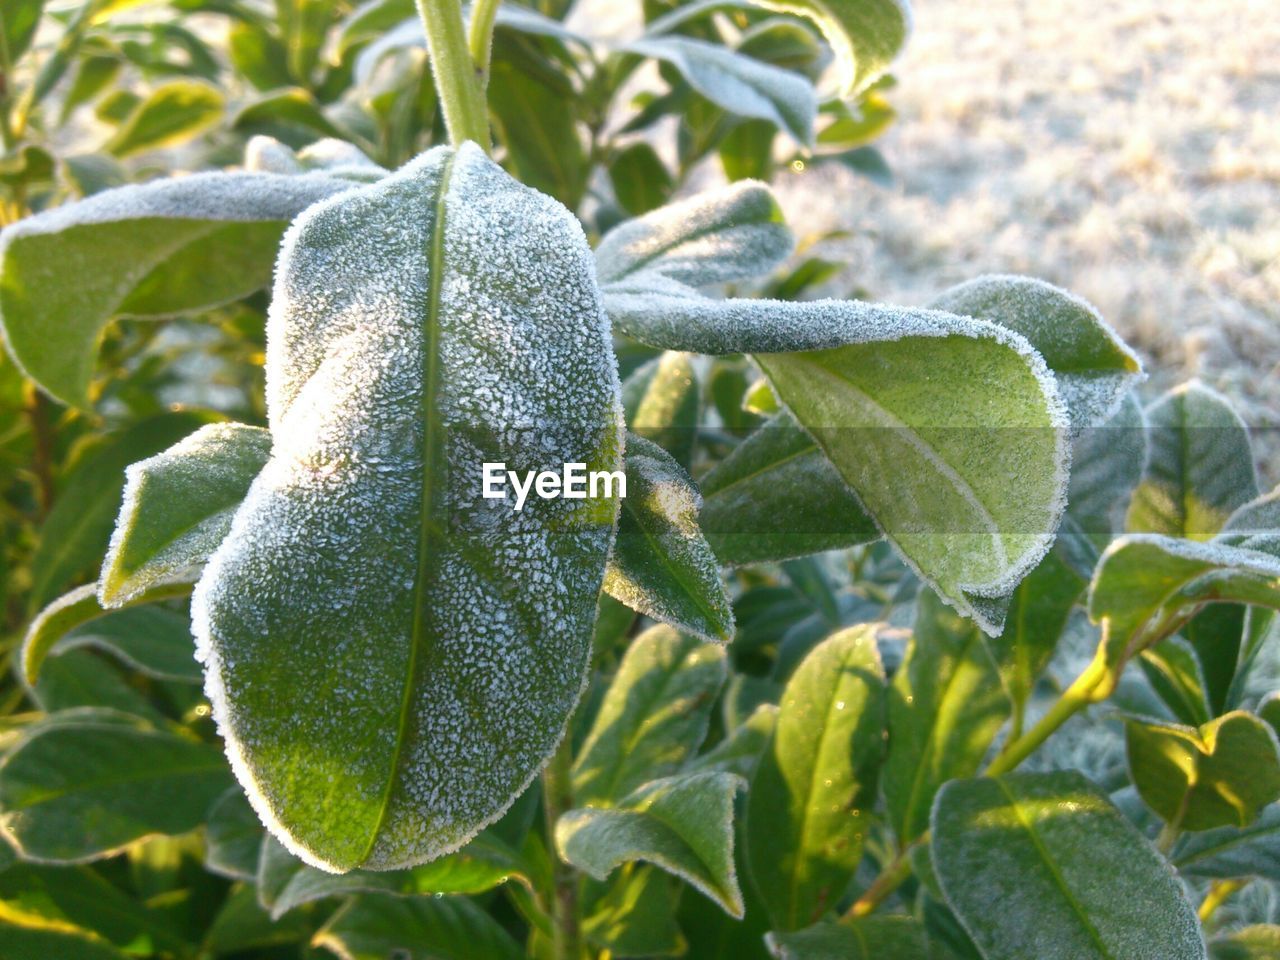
<point>557,799</point>
<point>484,14</point>
<point>890,879</point>
<point>457,76</point>
<point>1217,895</point>
<point>1094,684</point>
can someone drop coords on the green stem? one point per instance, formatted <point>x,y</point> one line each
<point>891,878</point>
<point>484,14</point>
<point>1094,684</point>
<point>457,76</point>
<point>557,799</point>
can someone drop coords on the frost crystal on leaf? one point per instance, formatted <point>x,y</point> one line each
<point>391,657</point>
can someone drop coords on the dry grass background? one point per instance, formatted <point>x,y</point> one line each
<point>1128,151</point>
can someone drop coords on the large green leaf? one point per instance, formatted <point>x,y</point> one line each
<point>654,715</point>
<point>1093,366</point>
<point>684,824</point>
<point>661,565</point>
<point>1229,852</point>
<point>739,84</point>
<point>390,656</point>
<point>430,928</point>
<point>178,507</point>
<point>809,805</point>
<point>869,938</point>
<point>86,783</point>
<point>78,528</point>
<point>777,496</point>
<point>1221,774</point>
<point>1073,879</point>
<point>946,705</point>
<point>1200,468</point>
<point>1147,585</point>
<point>733,233</point>
<point>148,250</point>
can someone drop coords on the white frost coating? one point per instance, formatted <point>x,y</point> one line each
<point>740,84</point>
<point>1255,526</point>
<point>1094,367</point>
<point>389,750</point>
<point>733,233</point>
<point>335,158</point>
<point>1223,555</point>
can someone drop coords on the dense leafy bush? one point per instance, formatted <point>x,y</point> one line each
<point>788,696</point>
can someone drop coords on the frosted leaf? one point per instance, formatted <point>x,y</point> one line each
<point>1107,462</point>
<point>662,400</point>
<point>1200,468</point>
<point>661,564</point>
<point>653,716</point>
<point>177,508</point>
<point>1252,851</point>
<point>733,233</point>
<point>1043,865</point>
<point>1094,368</point>
<point>1255,526</point>
<point>390,657</point>
<point>684,824</point>
<point>145,250</point>
<point>867,938</point>
<point>739,84</point>
<point>337,158</point>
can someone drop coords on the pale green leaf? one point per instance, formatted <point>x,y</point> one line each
<point>1042,865</point>
<point>1200,468</point>
<point>739,84</point>
<point>149,250</point>
<point>946,705</point>
<point>177,508</point>
<point>777,496</point>
<point>683,824</point>
<point>430,928</point>
<point>760,400</point>
<point>1255,526</point>
<point>663,404</point>
<point>634,915</point>
<point>868,938</point>
<point>173,112</point>
<point>391,657</point>
<point>1221,774</point>
<point>1230,852</point>
<point>1251,943</point>
<point>86,784</point>
<point>1146,583</point>
<point>809,805</point>
<point>661,565</point>
<point>1093,367</point>
<point>733,233</point>
<point>654,715</point>
<point>336,158</point>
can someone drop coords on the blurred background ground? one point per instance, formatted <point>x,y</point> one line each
<point>1128,151</point>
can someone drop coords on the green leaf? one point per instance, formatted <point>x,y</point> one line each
<point>1251,943</point>
<point>653,717</point>
<point>75,534</point>
<point>257,55</point>
<point>430,928</point>
<point>733,233</point>
<point>173,112</point>
<point>809,805</point>
<point>866,35</point>
<point>759,399</point>
<point>635,914</point>
<point>70,615</point>
<point>662,401</point>
<point>741,750</point>
<point>81,679</point>
<point>1107,463</point>
<point>18,22</point>
<point>1173,670</point>
<point>1093,367</point>
<point>233,837</point>
<point>661,565</point>
<point>777,496</point>
<point>868,938</point>
<point>1200,468</point>
<point>746,152</point>
<point>1221,774</point>
<point>739,84</point>
<point>178,507</point>
<point>1078,880</point>
<point>683,824</point>
<point>946,705</point>
<point>390,656</point>
<point>1146,585</point>
<point>87,783</point>
<point>242,926</point>
<point>640,179</point>
<point>1255,526</point>
<point>31,937</point>
<point>292,115</point>
<point>1230,852</point>
<point>148,250</point>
